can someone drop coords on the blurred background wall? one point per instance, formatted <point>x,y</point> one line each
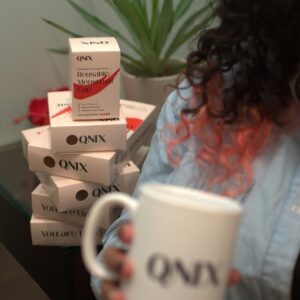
<point>27,69</point>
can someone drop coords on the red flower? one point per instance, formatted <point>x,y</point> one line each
<point>38,111</point>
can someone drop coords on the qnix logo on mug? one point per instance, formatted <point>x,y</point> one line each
<point>168,272</point>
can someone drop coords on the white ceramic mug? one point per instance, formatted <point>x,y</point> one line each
<point>183,242</point>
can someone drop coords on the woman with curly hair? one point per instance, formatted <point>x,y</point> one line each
<point>232,128</point>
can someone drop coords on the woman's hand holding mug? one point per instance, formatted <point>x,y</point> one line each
<point>117,261</point>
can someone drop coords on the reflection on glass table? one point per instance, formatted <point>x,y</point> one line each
<point>16,181</point>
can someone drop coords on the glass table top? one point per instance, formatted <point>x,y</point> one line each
<point>16,181</point>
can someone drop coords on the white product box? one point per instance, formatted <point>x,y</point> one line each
<point>29,135</point>
<point>53,233</point>
<point>73,136</point>
<point>140,119</point>
<point>98,167</point>
<point>69,194</point>
<point>95,77</point>
<point>43,207</point>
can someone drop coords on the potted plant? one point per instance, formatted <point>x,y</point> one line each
<point>156,29</point>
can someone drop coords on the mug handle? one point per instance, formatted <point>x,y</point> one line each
<point>98,212</point>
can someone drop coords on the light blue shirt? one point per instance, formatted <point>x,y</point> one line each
<point>268,243</point>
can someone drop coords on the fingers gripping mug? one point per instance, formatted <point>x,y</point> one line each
<point>183,243</point>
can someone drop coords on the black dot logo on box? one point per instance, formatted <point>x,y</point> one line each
<point>72,139</point>
<point>81,195</point>
<point>49,161</point>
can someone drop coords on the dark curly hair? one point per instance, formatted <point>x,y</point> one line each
<point>256,47</point>
<point>261,38</point>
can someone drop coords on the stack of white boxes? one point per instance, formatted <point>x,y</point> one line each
<point>88,148</point>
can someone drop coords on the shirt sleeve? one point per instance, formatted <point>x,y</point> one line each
<point>155,168</point>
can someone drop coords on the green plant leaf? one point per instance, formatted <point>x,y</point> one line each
<point>195,16</point>
<point>64,50</point>
<point>154,21</point>
<point>181,9</point>
<point>124,20</point>
<point>184,37</point>
<point>164,26</point>
<point>141,9</point>
<point>142,33</point>
<point>101,26</point>
<point>131,60</point>
<point>61,28</point>
<point>135,69</point>
<point>181,36</point>
<point>128,10</point>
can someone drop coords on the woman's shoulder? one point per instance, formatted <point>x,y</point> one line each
<point>177,100</point>
<point>180,96</point>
